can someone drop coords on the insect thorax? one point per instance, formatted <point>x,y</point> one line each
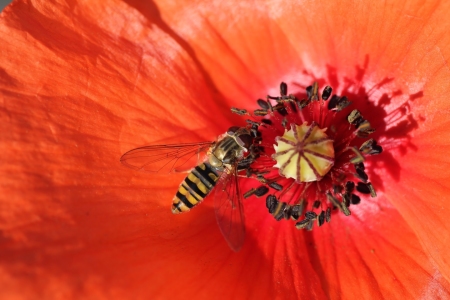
<point>226,152</point>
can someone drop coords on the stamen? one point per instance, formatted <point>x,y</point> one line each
<point>263,104</point>
<point>321,218</point>
<point>341,206</point>
<point>310,215</point>
<point>283,89</point>
<point>355,199</point>
<point>276,186</point>
<point>249,193</point>
<point>266,121</point>
<point>303,224</point>
<point>261,191</point>
<point>239,111</point>
<point>371,147</point>
<point>328,215</point>
<point>260,112</point>
<point>326,93</point>
<point>316,204</point>
<point>296,211</point>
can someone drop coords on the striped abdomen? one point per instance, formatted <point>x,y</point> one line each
<point>195,187</point>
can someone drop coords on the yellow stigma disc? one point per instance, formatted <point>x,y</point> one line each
<point>304,153</point>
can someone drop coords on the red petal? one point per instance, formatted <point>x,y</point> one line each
<point>94,81</point>
<point>373,253</point>
<point>422,195</point>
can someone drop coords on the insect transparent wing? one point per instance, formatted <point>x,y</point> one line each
<point>229,209</point>
<point>166,158</point>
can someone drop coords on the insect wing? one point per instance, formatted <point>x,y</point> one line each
<point>166,158</point>
<point>229,209</point>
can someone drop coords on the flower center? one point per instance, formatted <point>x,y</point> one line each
<point>304,153</point>
<point>309,155</point>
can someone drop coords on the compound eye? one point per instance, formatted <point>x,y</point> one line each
<point>232,130</point>
<point>244,140</point>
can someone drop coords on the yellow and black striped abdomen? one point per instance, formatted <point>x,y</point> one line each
<point>194,188</point>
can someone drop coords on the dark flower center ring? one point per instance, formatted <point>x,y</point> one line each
<point>311,155</point>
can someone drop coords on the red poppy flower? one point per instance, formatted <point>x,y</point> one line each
<point>81,83</point>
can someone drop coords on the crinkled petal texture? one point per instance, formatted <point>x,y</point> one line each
<point>83,82</point>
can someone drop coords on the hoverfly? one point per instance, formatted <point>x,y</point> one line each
<point>218,173</point>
